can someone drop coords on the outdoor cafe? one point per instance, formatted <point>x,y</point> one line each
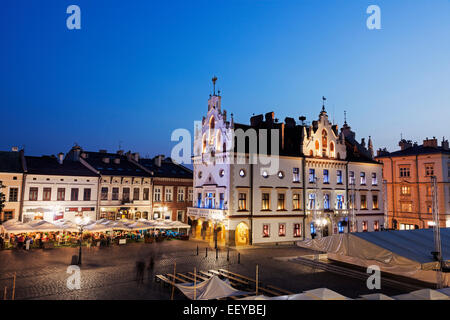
<point>103,232</point>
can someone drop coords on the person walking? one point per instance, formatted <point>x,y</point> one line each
<point>150,268</point>
<point>140,267</point>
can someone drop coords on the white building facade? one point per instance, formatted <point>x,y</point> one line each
<point>303,192</point>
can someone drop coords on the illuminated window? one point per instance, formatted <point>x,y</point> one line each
<point>405,190</point>
<point>297,230</point>
<point>339,176</point>
<point>374,202</point>
<point>365,226</point>
<point>115,193</point>
<point>363,202</point>
<point>296,175</point>
<point>265,201</point>
<point>326,176</point>
<point>242,201</point>
<point>326,201</point>
<point>363,178</point>
<point>47,194</point>
<point>266,231</point>
<point>339,202</point>
<point>351,175</point>
<point>376,226</point>
<point>62,194</point>
<point>312,201</point>
<point>312,175</point>
<point>406,206</point>
<point>282,229</point>
<point>296,201</point>
<point>429,169</point>
<point>281,201</point>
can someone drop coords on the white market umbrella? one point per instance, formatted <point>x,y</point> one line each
<point>325,294</point>
<point>376,296</point>
<point>44,226</point>
<point>17,227</point>
<point>430,294</point>
<point>259,297</point>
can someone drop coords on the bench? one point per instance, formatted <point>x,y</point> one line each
<point>176,278</point>
<point>186,277</point>
<point>238,275</point>
<point>163,279</point>
<point>279,289</point>
<point>268,291</point>
<point>197,276</point>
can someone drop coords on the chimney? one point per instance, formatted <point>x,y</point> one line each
<point>290,122</point>
<point>158,160</point>
<point>76,152</point>
<point>270,117</point>
<point>120,152</point>
<point>382,152</point>
<point>403,144</point>
<point>60,157</point>
<point>256,120</point>
<point>445,145</point>
<point>15,149</point>
<point>135,156</point>
<point>84,155</point>
<point>430,142</point>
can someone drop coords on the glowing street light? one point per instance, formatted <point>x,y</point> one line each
<point>81,222</point>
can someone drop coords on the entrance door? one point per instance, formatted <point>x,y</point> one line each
<point>241,234</point>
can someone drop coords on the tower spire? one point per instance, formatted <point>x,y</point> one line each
<point>214,79</point>
<point>345,117</point>
<point>323,103</point>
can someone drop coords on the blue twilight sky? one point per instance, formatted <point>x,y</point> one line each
<point>139,69</point>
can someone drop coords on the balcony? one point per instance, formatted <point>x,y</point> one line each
<point>208,214</point>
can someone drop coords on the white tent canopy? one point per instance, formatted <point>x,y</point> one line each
<point>423,294</point>
<point>213,288</point>
<point>376,296</point>
<point>402,252</point>
<point>325,294</point>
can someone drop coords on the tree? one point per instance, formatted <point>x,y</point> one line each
<point>2,197</point>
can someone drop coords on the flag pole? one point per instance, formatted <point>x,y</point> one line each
<point>195,283</point>
<point>256,279</point>
<point>174,274</point>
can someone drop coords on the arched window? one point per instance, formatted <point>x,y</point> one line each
<point>218,140</point>
<point>204,143</point>
<point>324,142</point>
<point>317,145</point>
<point>311,153</point>
<point>332,149</point>
<point>212,124</point>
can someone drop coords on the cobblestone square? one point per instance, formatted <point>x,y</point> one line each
<point>109,273</point>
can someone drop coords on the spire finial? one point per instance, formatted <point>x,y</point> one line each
<point>323,103</point>
<point>214,79</point>
<point>345,117</point>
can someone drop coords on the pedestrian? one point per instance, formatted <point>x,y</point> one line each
<point>150,267</point>
<point>140,267</point>
<point>2,241</point>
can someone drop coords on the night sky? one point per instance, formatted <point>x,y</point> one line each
<point>137,70</point>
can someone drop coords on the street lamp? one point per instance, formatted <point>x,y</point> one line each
<point>81,223</point>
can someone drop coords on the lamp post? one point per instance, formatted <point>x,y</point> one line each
<point>81,222</point>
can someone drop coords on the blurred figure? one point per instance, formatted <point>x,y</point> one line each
<point>140,268</point>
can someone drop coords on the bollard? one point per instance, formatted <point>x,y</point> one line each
<point>239,257</point>
<point>228,255</point>
<point>217,253</point>
<point>197,249</point>
<point>206,250</point>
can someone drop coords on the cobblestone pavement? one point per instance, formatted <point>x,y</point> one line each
<point>109,273</point>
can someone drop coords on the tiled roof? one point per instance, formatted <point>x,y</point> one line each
<point>49,165</point>
<point>416,150</point>
<point>123,168</point>
<point>168,169</point>
<point>10,162</point>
